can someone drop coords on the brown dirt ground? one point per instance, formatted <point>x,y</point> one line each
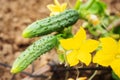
<point>15,15</point>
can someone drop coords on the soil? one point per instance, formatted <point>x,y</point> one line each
<point>15,16</point>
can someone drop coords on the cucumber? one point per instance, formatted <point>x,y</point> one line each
<point>35,50</point>
<point>51,24</point>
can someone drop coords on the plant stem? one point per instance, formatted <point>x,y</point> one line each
<point>67,74</point>
<point>66,62</point>
<point>93,75</point>
<point>89,4</point>
<point>85,68</point>
<point>78,73</point>
<point>114,24</point>
<point>83,8</point>
<point>77,4</point>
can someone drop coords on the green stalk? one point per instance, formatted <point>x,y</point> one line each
<point>77,4</point>
<point>83,8</point>
<point>89,4</point>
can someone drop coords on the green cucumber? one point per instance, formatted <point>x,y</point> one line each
<point>51,24</point>
<point>35,50</point>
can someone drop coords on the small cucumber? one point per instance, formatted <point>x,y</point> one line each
<point>35,50</point>
<point>51,24</point>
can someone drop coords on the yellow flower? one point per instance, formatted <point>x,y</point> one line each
<point>82,78</point>
<point>79,48</point>
<point>109,55</point>
<point>93,19</point>
<point>57,8</point>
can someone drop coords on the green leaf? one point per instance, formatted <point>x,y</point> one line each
<point>116,30</point>
<point>115,77</point>
<point>61,54</point>
<point>98,7</point>
<point>61,58</point>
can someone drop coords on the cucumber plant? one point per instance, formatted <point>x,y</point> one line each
<point>46,43</point>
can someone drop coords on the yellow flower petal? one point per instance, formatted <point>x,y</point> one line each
<point>72,58</point>
<point>56,2</point>
<point>63,6</point>
<point>50,6</point>
<point>109,45</point>
<point>75,42</point>
<point>119,46</point>
<point>57,8</point>
<point>79,38</point>
<point>53,8</point>
<point>89,45</point>
<point>103,58</point>
<point>67,43</point>
<point>115,65</point>
<point>54,13</point>
<point>70,79</point>
<point>84,57</point>
<point>82,78</point>
<point>80,35</point>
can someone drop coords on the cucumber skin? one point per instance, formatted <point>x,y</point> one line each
<point>51,24</point>
<point>35,50</point>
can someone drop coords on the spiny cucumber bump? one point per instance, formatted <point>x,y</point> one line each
<point>51,24</point>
